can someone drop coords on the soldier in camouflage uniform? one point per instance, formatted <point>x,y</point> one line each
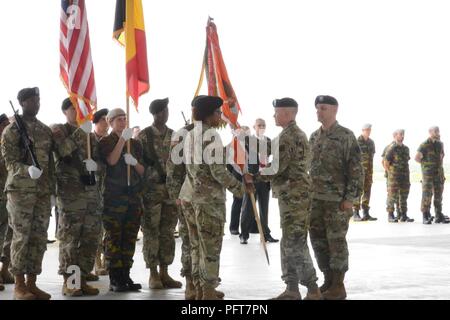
<point>176,174</point>
<point>160,212</point>
<point>430,155</point>
<point>367,147</point>
<point>5,229</point>
<point>209,178</point>
<point>292,186</point>
<point>77,199</point>
<point>337,179</point>
<point>28,191</point>
<point>397,202</point>
<point>396,163</point>
<point>122,200</point>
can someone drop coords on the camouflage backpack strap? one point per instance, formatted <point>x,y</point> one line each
<point>154,160</point>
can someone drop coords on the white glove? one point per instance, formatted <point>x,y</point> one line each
<point>34,172</point>
<point>127,134</point>
<point>86,127</point>
<point>130,160</point>
<point>91,165</point>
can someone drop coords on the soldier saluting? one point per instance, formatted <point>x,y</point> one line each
<point>28,189</point>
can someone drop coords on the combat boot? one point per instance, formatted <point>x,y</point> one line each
<point>313,293</point>
<point>129,282</point>
<point>21,291</point>
<point>337,289</point>
<point>167,280</point>
<point>440,218</point>
<point>189,293</point>
<point>116,282</point>
<point>391,217</point>
<point>288,295</point>
<point>92,277</point>
<point>367,217</point>
<point>75,292</point>
<point>31,285</point>
<point>405,218</point>
<point>327,281</point>
<point>356,216</point>
<point>5,274</point>
<point>426,218</point>
<point>154,282</point>
<point>87,289</point>
<point>210,294</point>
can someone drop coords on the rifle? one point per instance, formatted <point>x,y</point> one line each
<point>24,137</point>
<point>186,123</point>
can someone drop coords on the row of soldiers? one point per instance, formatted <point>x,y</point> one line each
<point>395,160</point>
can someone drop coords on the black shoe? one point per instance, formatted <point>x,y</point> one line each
<point>234,232</point>
<point>243,240</point>
<point>129,282</point>
<point>440,218</point>
<point>391,217</point>
<point>367,217</point>
<point>116,282</point>
<point>270,239</point>
<point>405,218</point>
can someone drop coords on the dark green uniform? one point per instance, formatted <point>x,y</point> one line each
<point>367,153</point>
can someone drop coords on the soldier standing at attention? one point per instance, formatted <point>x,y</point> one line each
<point>430,155</point>
<point>337,180</point>
<point>5,229</point>
<point>160,212</point>
<point>122,201</point>
<point>28,189</point>
<point>396,163</point>
<point>209,177</point>
<point>367,147</point>
<point>77,199</point>
<point>292,186</point>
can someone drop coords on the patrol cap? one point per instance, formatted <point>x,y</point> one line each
<point>27,93</point>
<point>158,105</point>
<point>367,126</point>
<point>66,104</point>
<point>114,113</point>
<point>323,99</point>
<point>285,103</point>
<point>99,114</point>
<point>3,118</point>
<point>207,102</point>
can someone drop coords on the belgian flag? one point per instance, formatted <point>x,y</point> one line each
<point>129,31</point>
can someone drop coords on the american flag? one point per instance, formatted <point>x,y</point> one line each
<point>76,67</point>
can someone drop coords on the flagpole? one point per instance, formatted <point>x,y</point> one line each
<point>258,222</point>
<point>129,141</point>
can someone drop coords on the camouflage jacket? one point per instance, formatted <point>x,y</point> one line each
<point>290,176</point>
<point>433,153</point>
<point>398,158</point>
<point>209,180</point>
<point>69,166</point>
<point>3,175</point>
<point>17,159</point>
<point>335,168</point>
<point>367,152</point>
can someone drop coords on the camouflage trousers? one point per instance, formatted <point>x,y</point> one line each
<point>158,224</point>
<point>398,191</point>
<point>121,220</point>
<point>364,201</point>
<point>29,217</point>
<point>432,186</point>
<point>209,222</point>
<point>191,223</point>
<point>186,265</point>
<point>79,231</point>
<point>5,234</point>
<point>328,230</point>
<point>296,262</point>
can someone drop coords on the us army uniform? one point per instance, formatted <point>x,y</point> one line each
<point>28,200</point>
<point>398,178</point>
<point>367,154</point>
<point>432,176</point>
<point>337,176</point>
<point>208,201</point>
<point>77,199</point>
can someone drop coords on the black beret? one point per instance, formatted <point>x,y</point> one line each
<point>207,102</point>
<point>27,93</point>
<point>3,117</point>
<point>158,105</point>
<point>326,100</point>
<point>285,103</point>
<point>99,114</point>
<point>66,104</point>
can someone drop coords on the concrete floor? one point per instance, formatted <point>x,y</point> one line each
<point>387,261</point>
